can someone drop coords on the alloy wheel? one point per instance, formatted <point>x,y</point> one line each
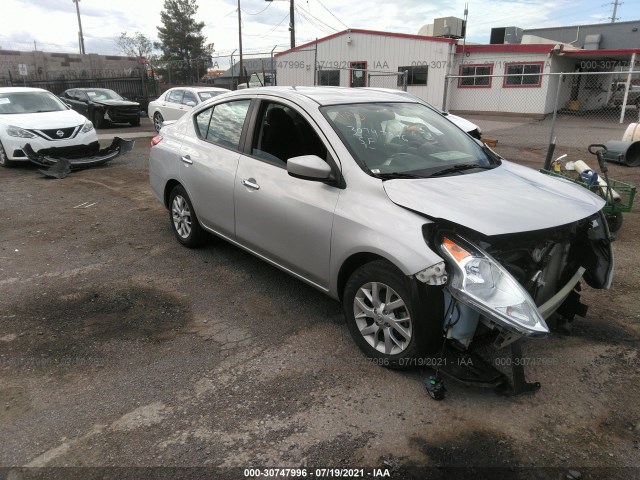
<point>382,317</point>
<point>181,215</point>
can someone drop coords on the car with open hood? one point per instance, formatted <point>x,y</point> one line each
<point>102,106</point>
<point>427,237</point>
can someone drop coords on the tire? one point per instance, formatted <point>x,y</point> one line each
<point>157,121</point>
<point>387,341</point>
<point>615,221</point>
<point>98,119</point>
<point>4,160</point>
<point>183,219</point>
<point>135,123</point>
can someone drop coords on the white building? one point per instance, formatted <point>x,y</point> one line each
<point>516,79</point>
<point>358,58</point>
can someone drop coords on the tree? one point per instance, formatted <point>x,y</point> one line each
<point>184,48</point>
<point>138,45</point>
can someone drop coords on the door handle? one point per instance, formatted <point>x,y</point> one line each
<point>251,183</point>
<point>186,159</point>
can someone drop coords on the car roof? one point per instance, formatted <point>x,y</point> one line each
<point>96,88</point>
<point>330,95</point>
<point>21,89</point>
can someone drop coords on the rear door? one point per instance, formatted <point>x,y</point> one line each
<point>172,108</point>
<point>209,160</point>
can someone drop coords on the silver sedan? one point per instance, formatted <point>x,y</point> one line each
<point>424,234</point>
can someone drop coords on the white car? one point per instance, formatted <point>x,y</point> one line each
<point>37,117</point>
<point>175,102</point>
<point>471,128</point>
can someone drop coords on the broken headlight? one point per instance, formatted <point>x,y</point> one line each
<point>482,283</point>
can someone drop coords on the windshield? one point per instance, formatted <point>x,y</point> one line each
<point>100,94</point>
<point>29,102</point>
<point>406,140</point>
<point>207,95</point>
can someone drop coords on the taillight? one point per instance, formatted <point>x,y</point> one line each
<point>156,140</point>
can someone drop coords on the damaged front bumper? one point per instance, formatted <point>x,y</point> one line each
<point>60,161</point>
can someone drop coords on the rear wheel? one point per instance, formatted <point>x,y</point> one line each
<point>384,318</point>
<point>183,219</point>
<point>157,121</point>
<point>4,159</point>
<point>615,221</point>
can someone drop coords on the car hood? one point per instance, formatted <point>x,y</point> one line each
<point>116,103</point>
<point>463,123</point>
<point>44,120</point>
<point>507,199</point>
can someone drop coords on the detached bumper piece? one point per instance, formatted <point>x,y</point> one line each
<point>59,162</point>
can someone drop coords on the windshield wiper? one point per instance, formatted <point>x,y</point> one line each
<point>396,175</point>
<point>460,167</point>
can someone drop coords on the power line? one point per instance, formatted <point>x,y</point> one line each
<point>257,13</point>
<point>268,32</point>
<point>317,19</point>
<point>331,13</point>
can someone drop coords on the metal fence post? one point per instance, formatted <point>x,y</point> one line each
<point>547,163</point>
<point>405,78</point>
<point>445,94</point>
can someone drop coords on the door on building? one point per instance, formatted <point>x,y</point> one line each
<point>358,74</point>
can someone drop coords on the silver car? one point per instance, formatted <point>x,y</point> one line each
<point>425,235</point>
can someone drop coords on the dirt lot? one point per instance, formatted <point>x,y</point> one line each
<point>120,348</point>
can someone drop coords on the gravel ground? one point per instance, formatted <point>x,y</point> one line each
<point>120,348</point>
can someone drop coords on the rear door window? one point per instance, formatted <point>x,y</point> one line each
<point>175,96</point>
<point>225,123</point>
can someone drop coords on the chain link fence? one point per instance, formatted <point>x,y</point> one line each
<point>529,110</point>
<point>395,80</point>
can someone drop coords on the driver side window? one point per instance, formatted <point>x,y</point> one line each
<point>282,133</point>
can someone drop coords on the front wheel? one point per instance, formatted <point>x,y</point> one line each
<point>98,119</point>
<point>183,219</point>
<point>384,318</point>
<point>4,159</point>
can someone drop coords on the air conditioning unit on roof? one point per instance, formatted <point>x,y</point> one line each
<point>449,27</point>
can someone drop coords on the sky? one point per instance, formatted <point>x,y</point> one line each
<point>53,24</point>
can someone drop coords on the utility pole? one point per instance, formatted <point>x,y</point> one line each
<point>241,72</point>
<point>292,22</point>
<point>80,37</point>
<point>615,4</point>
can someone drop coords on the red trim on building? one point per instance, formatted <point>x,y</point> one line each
<point>601,53</point>
<point>367,32</point>
<point>506,48</point>
<point>490,65</point>
<point>538,85</point>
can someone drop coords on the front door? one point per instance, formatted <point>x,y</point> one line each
<point>285,219</point>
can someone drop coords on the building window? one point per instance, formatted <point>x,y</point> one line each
<point>523,74</point>
<point>470,78</point>
<point>329,78</point>
<point>417,75</point>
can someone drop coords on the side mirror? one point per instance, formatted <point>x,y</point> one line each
<point>309,167</point>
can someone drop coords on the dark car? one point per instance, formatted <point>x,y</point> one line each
<point>102,106</point>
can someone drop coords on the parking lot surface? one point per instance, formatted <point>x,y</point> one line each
<point>121,348</point>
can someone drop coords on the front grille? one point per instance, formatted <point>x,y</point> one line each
<point>57,133</point>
